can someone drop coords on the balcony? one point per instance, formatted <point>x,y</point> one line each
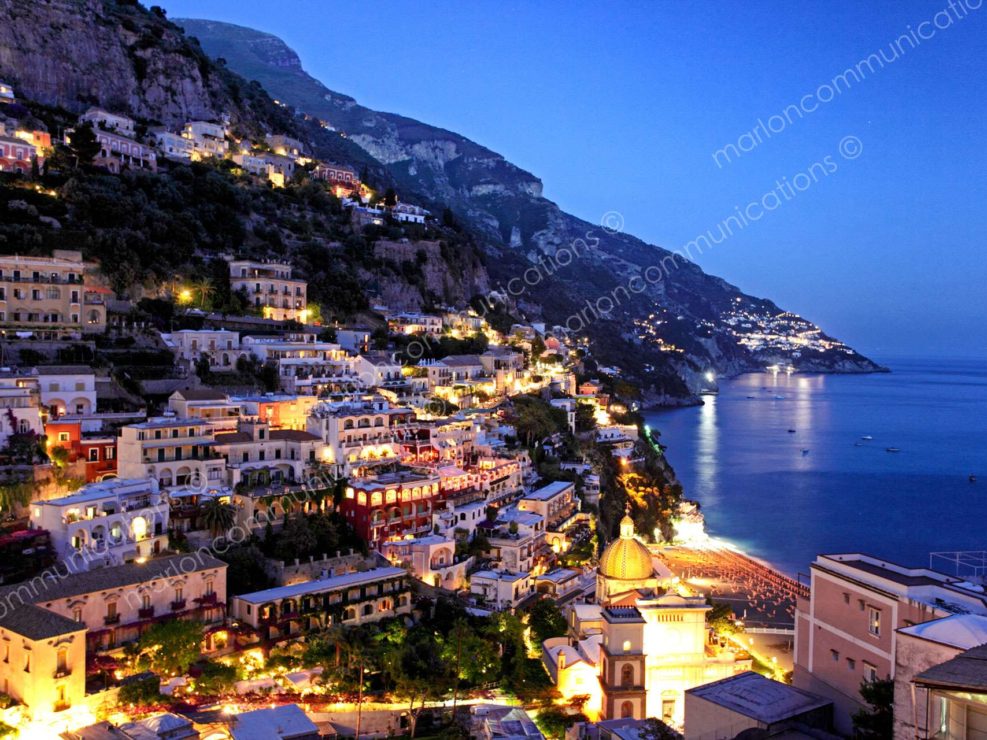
<point>62,672</point>
<point>111,619</point>
<point>145,613</point>
<point>178,604</point>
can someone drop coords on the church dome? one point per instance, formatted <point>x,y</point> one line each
<point>627,558</point>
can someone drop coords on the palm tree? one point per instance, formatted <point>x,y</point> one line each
<point>218,516</point>
<point>204,288</point>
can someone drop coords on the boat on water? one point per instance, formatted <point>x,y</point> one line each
<point>779,398</point>
<point>973,479</point>
<point>805,452</point>
<point>893,449</point>
<point>867,437</point>
<point>791,431</point>
<point>750,396</point>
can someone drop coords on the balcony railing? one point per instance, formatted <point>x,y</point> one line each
<point>178,604</point>
<point>145,613</point>
<point>111,619</point>
<point>207,599</point>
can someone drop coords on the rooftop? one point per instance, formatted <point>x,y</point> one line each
<point>499,575</point>
<point>550,491</point>
<point>759,698</point>
<point>967,671</point>
<point>285,721</point>
<point>321,584</point>
<point>958,630</point>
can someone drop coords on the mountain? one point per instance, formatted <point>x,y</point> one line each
<point>669,330</point>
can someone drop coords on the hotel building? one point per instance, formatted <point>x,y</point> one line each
<point>270,287</point>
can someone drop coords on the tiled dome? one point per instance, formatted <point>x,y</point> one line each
<point>627,558</point>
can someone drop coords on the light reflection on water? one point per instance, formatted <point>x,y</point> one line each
<point>736,456</point>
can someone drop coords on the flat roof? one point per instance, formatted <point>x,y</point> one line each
<point>321,584</point>
<point>104,489</point>
<point>759,698</point>
<point>548,492</point>
<point>963,631</point>
<point>499,575</point>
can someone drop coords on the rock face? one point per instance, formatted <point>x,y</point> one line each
<point>78,53</point>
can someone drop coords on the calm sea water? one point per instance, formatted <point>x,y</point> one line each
<point>759,490</point>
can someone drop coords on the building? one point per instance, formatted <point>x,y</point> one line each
<point>7,93</point>
<point>285,145</point>
<point>337,174</point>
<point>430,558</point>
<point>501,589</point>
<point>351,598</point>
<point>955,697</point>
<point>208,139</point>
<point>359,435</point>
<point>106,523</point>
<point>645,643</point>
<point>67,389</point>
<point>96,451</point>
<point>390,506</point>
<point>414,323</point>
<point>48,626</point>
<point>556,503</point>
<point>16,155</point>
<point>118,152</point>
<point>285,722</point>
<point>270,287</point>
<point>50,296</point>
<point>20,407</point>
<point>728,707</point>
<point>106,121</point>
<point>220,347</point>
<point>257,455</point>
<point>919,648</point>
<point>174,146</point>
<point>846,631</point>
<point>408,213</point>
<point>498,722</point>
<point>172,450</point>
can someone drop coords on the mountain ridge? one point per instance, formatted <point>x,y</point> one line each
<point>504,203</point>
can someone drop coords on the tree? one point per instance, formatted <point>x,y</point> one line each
<point>141,690</point>
<point>83,144</point>
<point>169,648</point>
<point>355,654</point>
<point>419,672</point>
<point>877,721</point>
<point>204,288</point>
<point>472,658</point>
<point>216,679</point>
<point>218,516</point>
<point>546,620</point>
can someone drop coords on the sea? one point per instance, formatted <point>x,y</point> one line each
<point>786,467</point>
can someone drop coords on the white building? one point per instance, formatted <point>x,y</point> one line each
<point>221,347</point>
<point>102,119</point>
<point>258,455</point>
<point>208,139</point>
<point>173,451</point>
<point>67,389</point>
<point>431,559</point>
<point>174,146</point>
<point>360,433</point>
<point>501,590</point>
<point>20,399</point>
<point>107,523</point>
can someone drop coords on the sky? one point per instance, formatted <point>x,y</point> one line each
<point>622,107</point>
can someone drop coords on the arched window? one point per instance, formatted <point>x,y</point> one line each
<point>627,676</point>
<point>626,710</point>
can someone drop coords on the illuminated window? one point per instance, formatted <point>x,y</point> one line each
<point>361,499</point>
<point>627,646</point>
<point>874,622</point>
<point>349,493</point>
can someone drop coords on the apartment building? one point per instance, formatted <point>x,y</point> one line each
<point>220,347</point>
<point>173,451</point>
<point>97,451</point>
<point>106,523</point>
<point>501,590</point>
<point>431,559</point>
<point>50,296</point>
<point>66,389</point>
<point>555,502</point>
<point>359,435</point>
<point>270,287</point>
<point>208,139</point>
<point>390,506</point>
<point>846,632</point>
<point>348,599</point>
<point>257,455</point>
<point>20,406</point>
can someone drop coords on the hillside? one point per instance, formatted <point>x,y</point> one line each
<point>668,335</point>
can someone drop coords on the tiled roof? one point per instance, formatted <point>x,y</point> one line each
<point>36,623</point>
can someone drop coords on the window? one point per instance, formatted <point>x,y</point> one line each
<point>111,610</point>
<point>851,664</point>
<point>146,601</point>
<point>94,454</point>
<point>77,615</point>
<point>874,622</point>
<point>626,710</point>
<point>627,676</point>
<point>27,663</point>
<point>62,660</point>
<point>835,654</point>
<point>63,436</point>
<point>846,598</point>
<point>870,671</point>
<point>627,646</point>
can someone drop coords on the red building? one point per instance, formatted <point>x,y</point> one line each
<point>98,451</point>
<point>390,506</point>
<point>15,155</point>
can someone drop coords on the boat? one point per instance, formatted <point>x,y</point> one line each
<point>791,431</point>
<point>867,437</point>
<point>750,396</point>
<point>893,449</point>
<point>779,398</point>
<point>973,479</point>
<point>805,452</point>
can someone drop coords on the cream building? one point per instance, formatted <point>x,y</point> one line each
<point>644,643</point>
<point>270,287</point>
<point>67,389</point>
<point>50,296</point>
<point>173,451</point>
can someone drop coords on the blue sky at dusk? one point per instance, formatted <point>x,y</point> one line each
<point>619,107</point>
